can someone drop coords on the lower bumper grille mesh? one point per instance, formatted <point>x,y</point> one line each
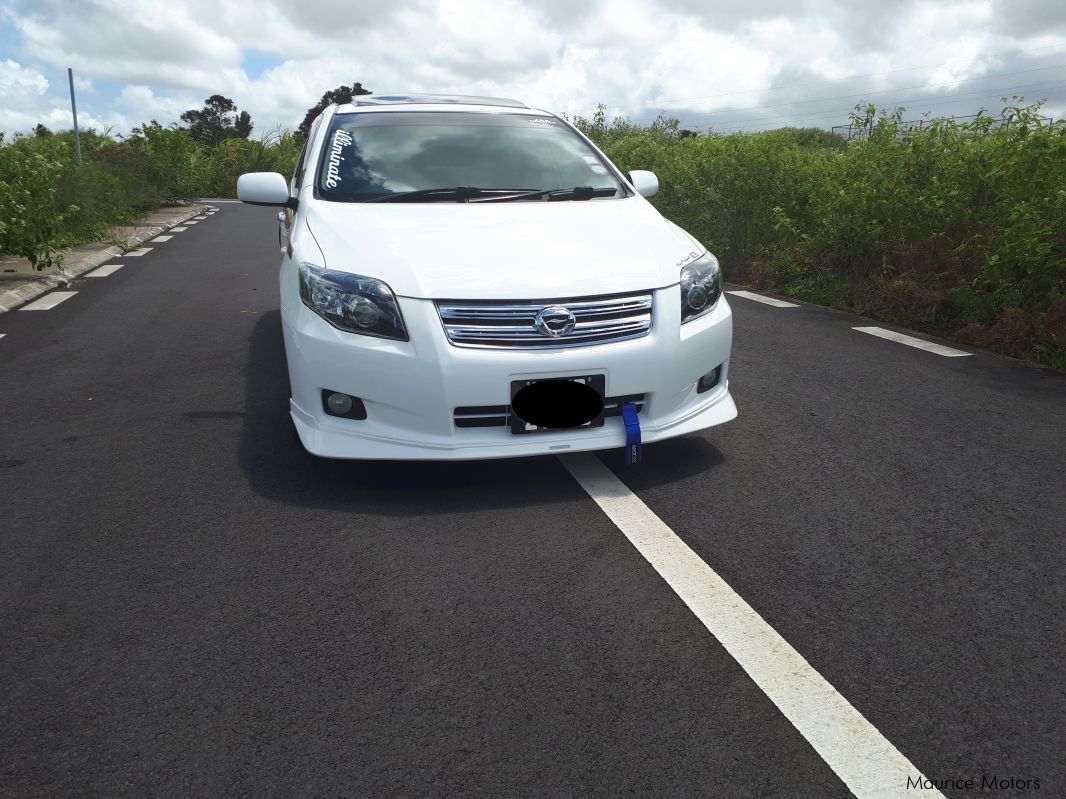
<point>500,415</point>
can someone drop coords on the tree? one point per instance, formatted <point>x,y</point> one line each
<point>340,95</point>
<point>217,121</point>
<point>41,131</point>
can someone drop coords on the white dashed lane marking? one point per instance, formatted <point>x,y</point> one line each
<point>748,295</point>
<point>105,270</point>
<point>178,229</point>
<point>911,341</point>
<point>866,761</point>
<point>192,222</point>
<point>138,252</point>
<point>204,216</point>
<point>162,238</point>
<point>48,301</point>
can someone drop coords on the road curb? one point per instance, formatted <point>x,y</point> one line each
<point>15,298</point>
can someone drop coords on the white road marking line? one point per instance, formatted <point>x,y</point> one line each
<point>105,270</point>
<point>191,222</point>
<point>162,238</point>
<point>911,341</point>
<point>866,761</point>
<point>138,252</point>
<point>178,229</point>
<point>748,295</point>
<point>2,335</point>
<point>202,216</point>
<point>49,301</point>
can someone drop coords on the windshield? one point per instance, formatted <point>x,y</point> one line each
<point>370,156</point>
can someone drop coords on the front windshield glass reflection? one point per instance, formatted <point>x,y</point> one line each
<point>373,155</point>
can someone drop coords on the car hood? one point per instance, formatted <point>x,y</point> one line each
<point>512,250</point>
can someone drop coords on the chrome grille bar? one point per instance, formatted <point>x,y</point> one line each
<point>509,324</point>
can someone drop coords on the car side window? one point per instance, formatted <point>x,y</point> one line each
<point>301,164</point>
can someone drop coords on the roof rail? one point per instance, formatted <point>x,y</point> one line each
<point>458,99</point>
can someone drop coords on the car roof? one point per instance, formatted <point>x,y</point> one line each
<point>436,102</point>
<point>434,99</point>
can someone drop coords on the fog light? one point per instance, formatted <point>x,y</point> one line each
<point>339,404</point>
<point>709,380</point>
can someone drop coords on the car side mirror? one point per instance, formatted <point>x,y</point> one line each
<point>264,188</point>
<point>645,182</point>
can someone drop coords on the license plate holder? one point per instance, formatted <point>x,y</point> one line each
<point>598,382</point>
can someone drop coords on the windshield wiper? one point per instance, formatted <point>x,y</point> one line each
<point>573,193</point>
<point>456,193</point>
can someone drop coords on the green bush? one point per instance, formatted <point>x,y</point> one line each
<point>274,152</point>
<point>33,215</point>
<point>47,203</point>
<point>957,228</point>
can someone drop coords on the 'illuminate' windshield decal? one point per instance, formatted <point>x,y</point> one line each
<point>341,139</point>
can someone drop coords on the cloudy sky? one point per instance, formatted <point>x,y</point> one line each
<point>721,64</point>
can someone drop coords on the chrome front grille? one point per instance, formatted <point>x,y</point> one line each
<point>512,324</point>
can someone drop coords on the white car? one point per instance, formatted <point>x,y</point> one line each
<point>467,277</point>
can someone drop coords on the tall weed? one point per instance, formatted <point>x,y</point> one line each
<point>958,228</point>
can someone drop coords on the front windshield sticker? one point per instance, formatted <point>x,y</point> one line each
<point>542,123</point>
<point>595,165</point>
<point>341,139</point>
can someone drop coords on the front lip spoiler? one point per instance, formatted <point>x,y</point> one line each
<point>360,445</point>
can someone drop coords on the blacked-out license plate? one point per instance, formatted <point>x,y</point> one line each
<point>519,426</point>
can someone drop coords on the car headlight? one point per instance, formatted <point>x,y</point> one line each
<point>701,286</point>
<point>353,303</point>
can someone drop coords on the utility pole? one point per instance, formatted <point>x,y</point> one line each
<point>74,110</point>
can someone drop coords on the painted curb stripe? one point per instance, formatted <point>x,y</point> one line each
<point>911,341</point>
<point>760,298</point>
<point>49,301</point>
<point>870,766</point>
<point>162,238</point>
<point>105,270</point>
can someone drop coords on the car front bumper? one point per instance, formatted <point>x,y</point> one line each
<point>411,389</point>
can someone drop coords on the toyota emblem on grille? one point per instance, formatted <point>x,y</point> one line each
<point>555,321</point>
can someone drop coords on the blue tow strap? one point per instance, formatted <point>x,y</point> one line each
<point>629,416</point>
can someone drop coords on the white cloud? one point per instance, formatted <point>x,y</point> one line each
<point>779,60</point>
<point>22,93</point>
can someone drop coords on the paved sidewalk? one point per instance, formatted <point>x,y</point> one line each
<point>20,283</point>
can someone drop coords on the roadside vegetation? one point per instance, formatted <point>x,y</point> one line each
<point>957,229</point>
<point>48,203</point>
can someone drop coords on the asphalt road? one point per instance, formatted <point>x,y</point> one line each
<point>190,605</point>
